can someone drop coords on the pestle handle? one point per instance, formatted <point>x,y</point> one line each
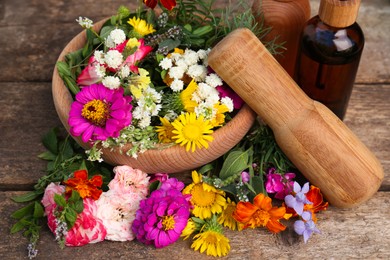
<point>319,144</point>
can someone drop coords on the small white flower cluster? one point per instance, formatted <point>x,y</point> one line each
<point>148,105</point>
<point>85,22</point>
<point>193,64</point>
<point>112,59</point>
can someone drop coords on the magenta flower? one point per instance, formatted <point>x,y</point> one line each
<point>225,91</point>
<point>99,113</point>
<point>89,74</point>
<point>162,217</point>
<point>138,55</point>
<point>245,177</point>
<point>280,184</point>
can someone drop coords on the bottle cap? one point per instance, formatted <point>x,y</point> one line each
<point>339,13</point>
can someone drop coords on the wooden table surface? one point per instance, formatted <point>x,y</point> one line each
<point>32,34</point>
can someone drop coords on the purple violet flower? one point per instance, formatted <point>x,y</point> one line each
<point>162,217</point>
<point>306,227</point>
<point>299,200</point>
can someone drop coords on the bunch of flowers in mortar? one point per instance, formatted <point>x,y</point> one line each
<point>144,79</point>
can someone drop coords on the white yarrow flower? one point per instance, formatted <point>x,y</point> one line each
<point>99,56</point>
<point>176,72</point>
<point>191,57</point>
<point>111,82</point>
<point>202,54</point>
<point>85,22</point>
<point>182,64</point>
<point>144,122</point>
<point>166,63</point>
<point>125,72</point>
<point>228,102</point>
<point>113,59</point>
<point>100,70</point>
<point>109,42</point>
<point>177,85</point>
<point>118,36</point>
<point>213,80</point>
<point>197,72</point>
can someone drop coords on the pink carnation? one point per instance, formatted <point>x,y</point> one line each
<point>117,211</point>
<point>129,180</point>
<point>86,230</point>
<point>48,196</point>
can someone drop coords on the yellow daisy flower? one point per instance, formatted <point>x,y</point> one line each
<point>139,82</point>
<point>140,26</point>
<point>211,242</point>
<point>186,97</point>
<point>189,229</point>
<point>164,132</point>
<point>219,117</point>
<point>206,199</point>
<point>192,132</point>
<point>226,217</point>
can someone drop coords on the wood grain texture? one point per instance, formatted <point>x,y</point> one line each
<point>320,145</point>
<point>34,32</point>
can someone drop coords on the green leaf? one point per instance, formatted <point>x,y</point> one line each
<point>258,185</point>
<point>202,30</point>
<point>18,226</point>
<point>70,217</point>
<point>66,150</point>
<point>236,162</point>
<point>154,186</point>
<point>83,166</point>
<point>206,168</point>
<point>71,84</point>
<point>29,196</point>
<point>25,211</point>
<point>48,156</point>
<point>38,210</point>
<point>169,43</point>
<point>50,141</point>
<point>78,206</point>
<point>63,69</point>
<point>59,200</point>
<point>74,197</point>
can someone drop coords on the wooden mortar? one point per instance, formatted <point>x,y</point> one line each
<point>319,144</point>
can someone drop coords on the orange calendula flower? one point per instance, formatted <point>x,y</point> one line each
<point>260,214</point>
<point>86,188</point>
<point>168,4</point>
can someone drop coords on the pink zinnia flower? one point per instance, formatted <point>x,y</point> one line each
<point>162,217</point>
<point>89,74</point>
<point>129,180</point>
<point>282,185</point>
<point>99,113</point>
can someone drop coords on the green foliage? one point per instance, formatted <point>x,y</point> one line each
<point>63,156</point>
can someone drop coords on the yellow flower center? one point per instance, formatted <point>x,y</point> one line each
<point>201,197</point>
<point>192,132</point>
<point>168,222</point>
<point>96,111</point>
<point>261,217</point>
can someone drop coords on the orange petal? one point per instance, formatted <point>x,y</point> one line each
<point>96,180</point>
<point>244,211</point>
<point>275,226</point>
<point>263,202</point>
<point>81,174</point>
<point>277,213</point>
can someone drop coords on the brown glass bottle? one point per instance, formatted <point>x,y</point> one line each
<point>328,62</point>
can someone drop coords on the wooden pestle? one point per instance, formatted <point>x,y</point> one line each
<point>319,144</point>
